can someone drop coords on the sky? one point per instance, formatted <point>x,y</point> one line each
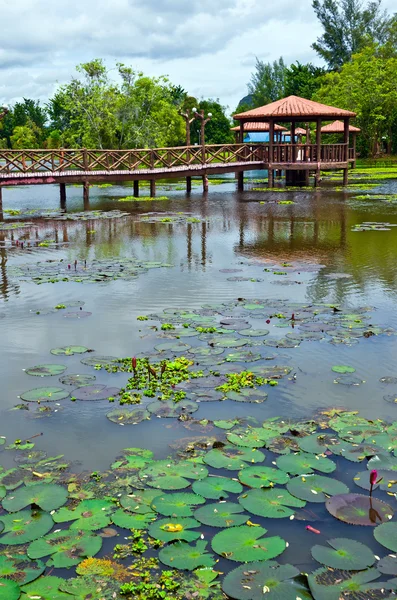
<point>209,47</point>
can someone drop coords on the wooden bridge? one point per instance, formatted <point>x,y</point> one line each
<point>63,166</point>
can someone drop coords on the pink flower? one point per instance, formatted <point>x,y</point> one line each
<point>133,362</point>
<point>373,476</point>
<point>268,321</point>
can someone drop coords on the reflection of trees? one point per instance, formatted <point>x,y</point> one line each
<point>6,287</point>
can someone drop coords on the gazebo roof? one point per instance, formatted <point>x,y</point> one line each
<point>259,127</point>
<point>293,107</point>
<point>338,127</point>
<point>298,131</point>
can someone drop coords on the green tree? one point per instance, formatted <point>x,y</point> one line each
<point>26,136</point>
<point>349,25</point>
<point>268,81</point>
<point>302,80</point>
<point>217,130</point>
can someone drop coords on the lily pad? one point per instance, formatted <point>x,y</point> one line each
<point>296,464</point>
<point>19,568</point>
<point>167,475</point>
<point>344,553</point>
<point>317,443</point>
<point>9,590</point>
<point>102,361</point>
<point>25,526</point>
<point>333,584</point>
<point>253,437</point>
<point>46,370</point>
<point>247,395</point>
<point>357,509</point>
<point>177,347</point>
<point>245,356</point>
<point>48,496</point>
<point>45,394</point>
<point>247,544</point>
<point>45,588</point>
<point>233,458</point>
<point>254,332</point>
<point>168,530</point>
<point>386,534</point>
<point>182,556</point>
<point>216,488</point>
<point>315,488</point>
<point>89,515</point>
<point>65,548</point>
<point>131,416</point>
<point>277,581</point>
<point>221,514</point>
<point>77,380</point>
<point>69,350</point>
<point>388,564</point>
<point>140,501</point>
<point>169,409</point>
<point>343,369</point>
<point>262,477</point>
<point>128,520</point>
<point>95,392</point>
<point>177,505</point>
<point>274,503</point>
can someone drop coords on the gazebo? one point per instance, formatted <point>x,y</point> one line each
<point>338,127</point>
<point>259,128</point>
<point>299,159</point>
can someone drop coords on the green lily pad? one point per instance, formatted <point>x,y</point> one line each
<point>128,520</point>
<point>102,361</point>
<point>333,584</point>
<point>216,488</point>
<point>221,514</point>
<point>344,553</point>
<point>77,380</point>
<point>45,588</point>
<point>49,496</point>
<point>245,356</point>
<point>19,568</point>
<point>247,544</point>
<point>89,515</point>
<point>386,534</point>
<point>261,477</point>
<point>317,443</point>
<point>277,581</point>
<point>382,462</point>
<point>95,392</point>
<point>125,416</point>
<point>177,347</point>
<point>12,478</point>
<point>228,342</point>
<point>226,424</point>
<point>253,437</point>
<point>133,458</point>
<point>342,369</point>
<point>69,350</point>
<point>247,395</point>
<point>181,555</point>
<point>9,590</point>
<point>172,410</point>
<point>46,370</point>
<point>315,488</point>
<point>167,475</point>
<point>357,509</point>
<point>140,501</point>
<point>296,464</point>
<point>388,564</point>
<point>65,548</point>
<point>168,530</point>
<point>45,394</point>
<point>177,505</point>
<point>25,526</point>
<point>254,332</point>
<point>274,503</point>
<point>233,458</point>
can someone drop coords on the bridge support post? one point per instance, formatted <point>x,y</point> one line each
<point>86,195</point>
<point>240,181</point>
<point>1,204</point>
<point>270,177</point>
<point>205,184</point>
<point>345,176</point>
<point>152,188</point>
<point>62,195</point>
<point>136,188</point>
<point>188,184</point>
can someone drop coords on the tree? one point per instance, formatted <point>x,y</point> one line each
<point>217,130</point>
<point>303,80</point>
<point>26,136</point>
<point>267,82</point>
<point>368,86</point>
<point>349,25</point>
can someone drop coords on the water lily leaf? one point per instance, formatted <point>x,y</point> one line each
<point>12,478</point>
<point>343,369</point>
<point>233,458</point>
<point>226,424</point>
<point>245,356</point>
<point>140,501</point>
<point>274,503</point>
<point>357,509</point>
<point>253,437</point>
<point>45,394</point>
<point>69,350</point>
<point>382,461</point>
<point>102,361</point>
<point>45,588</point>
<point>216,488</point>
<point>89,515</point>
<point>167,475</point>
<point>133,458</point>
<point>168,530</point>
<point>261,477</point>
<point>132,416</point>
<point>333,584</point>
<point>77,380</point>
<point>254,332</point>
<point>20,568</point>
<point>170,409</point>
<point>386,534</point>
<point>25,526</point>
<point>176,505</point>
<point>315,488</point>
<point>128,520</point>
<point>221,514</point>
<point>317,443</point>
<point>349,380</point>
<point>228,342</point>
<point>46,370</point>
<point>181,555</point>
<point>49,496</point>
<point>65,548</point>
<point>388,564</point>
<point>94,392</point>
<point>259,578</point>
<point>248,395</point>
<point>172,347</point>
<point>296,464</point>
<point>9,590</point>
<point>247,544</point>
<point>344,553</point>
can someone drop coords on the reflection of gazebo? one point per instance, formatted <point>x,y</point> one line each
<point>338,127</point>
<point>303,158</point>
<point>259,128</point>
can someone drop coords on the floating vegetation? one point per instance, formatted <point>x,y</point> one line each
<point>373,226</point>
<point>6,226</point>
<point>172,217</point>
<point>391,198</point>
<point>88,215</point>
<point>142,198</point>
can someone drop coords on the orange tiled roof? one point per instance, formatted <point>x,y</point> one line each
<point>259,127</point>
<point>294,106</point>
<point>338,127</point>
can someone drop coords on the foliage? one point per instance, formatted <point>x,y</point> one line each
<point>267,83</point>
<point>217,130</point>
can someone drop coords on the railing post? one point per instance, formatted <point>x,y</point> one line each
<point>85,159</point>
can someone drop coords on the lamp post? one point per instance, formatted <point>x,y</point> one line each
<point>188,120</point>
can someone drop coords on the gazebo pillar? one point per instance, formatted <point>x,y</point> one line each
<point>271,152</point>
<point>240,174</point>
<point>346,122</point>
<point>318,152</point>
<point>354,136</point>
<point>293,124</point>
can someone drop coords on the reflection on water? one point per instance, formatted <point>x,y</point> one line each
<point>235,231</point>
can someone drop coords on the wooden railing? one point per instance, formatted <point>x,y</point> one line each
<point>61,160</point>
